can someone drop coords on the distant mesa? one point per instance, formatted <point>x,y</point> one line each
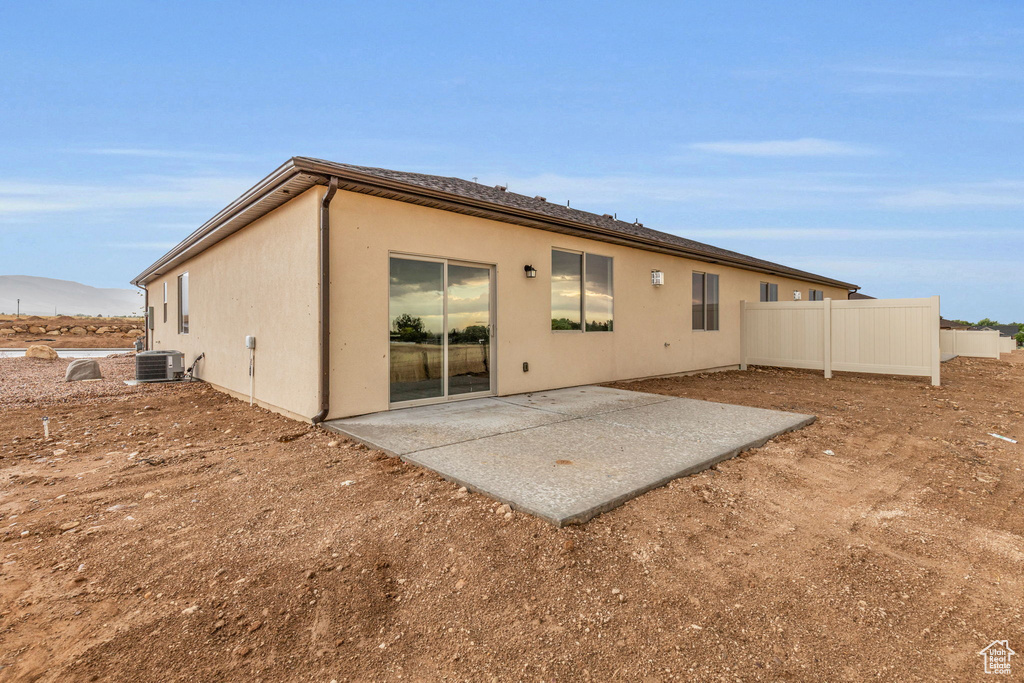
<point>43,296</point>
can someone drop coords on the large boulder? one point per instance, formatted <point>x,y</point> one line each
<point>78,330</point>
<point>7,330</point>
<point>83,368</point>
<point>41,351</point>
<point>136,333</point>
<point>102,330</point>
<point>35,329</point>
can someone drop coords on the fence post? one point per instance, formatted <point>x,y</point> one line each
<point>827,336</point>
<point>935,343</point>
<point>743,334</point>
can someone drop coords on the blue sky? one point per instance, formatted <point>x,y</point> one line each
<point>876,142</point>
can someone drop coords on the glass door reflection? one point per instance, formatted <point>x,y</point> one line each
<point>469,329</point>
<point>440,329</point>
<point>416,310</point>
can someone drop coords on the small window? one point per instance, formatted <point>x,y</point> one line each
<point>581,291</point>
<point>165,302</point>
<point>816,295</point>
<point>769,291</point>
<point>705,301</point>
<point>183,303</point>
<point>597,297</point>
<point>566,290</point>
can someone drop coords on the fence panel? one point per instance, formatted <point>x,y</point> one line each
<point>788,334</point>
<point>1009,344</point>
<point>885,336</point>
<point>972,343</point>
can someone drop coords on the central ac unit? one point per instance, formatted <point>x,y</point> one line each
<point>159,366</point>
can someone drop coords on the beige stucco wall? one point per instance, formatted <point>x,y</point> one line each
<point>652,334</point>
<point>261,281</point>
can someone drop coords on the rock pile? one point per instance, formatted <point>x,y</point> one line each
<point>57,330</point>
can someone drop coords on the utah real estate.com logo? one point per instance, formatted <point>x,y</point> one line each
<point>997,657</point>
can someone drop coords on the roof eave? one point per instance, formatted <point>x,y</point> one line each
<point>247,201</point>
<point>325,169</point>
<point>317,172</point>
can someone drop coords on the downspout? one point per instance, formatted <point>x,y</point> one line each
<point>324,256</point>
<point>145,312</point>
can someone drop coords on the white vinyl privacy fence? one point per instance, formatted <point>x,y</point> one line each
<point>1009,344</point>
<point>972,343</point>
<point>885,336</point>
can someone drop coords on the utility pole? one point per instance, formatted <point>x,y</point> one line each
<point>17,314</point>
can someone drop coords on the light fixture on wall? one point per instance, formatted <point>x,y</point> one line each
<point>657,278</point>
<point>530,271</point>
<point>796,295</point>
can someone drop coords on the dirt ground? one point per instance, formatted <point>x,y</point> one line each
<point>112,340</point>
<point>169,533</point>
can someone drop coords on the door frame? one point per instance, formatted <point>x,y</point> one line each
<point>492,342</point>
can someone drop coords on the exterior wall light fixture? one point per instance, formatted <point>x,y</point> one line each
<point>657,278</point>
<point>530,271</point>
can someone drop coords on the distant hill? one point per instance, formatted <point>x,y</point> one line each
<point>43,296</point>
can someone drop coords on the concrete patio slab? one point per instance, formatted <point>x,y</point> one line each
<point>568,455</point>
<point>702,423</point>
<point>583,401</point>
<point>404,431</point>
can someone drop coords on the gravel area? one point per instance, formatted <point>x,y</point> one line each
<point>29,381</point>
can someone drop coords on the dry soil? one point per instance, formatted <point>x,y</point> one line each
<point>172,533</point>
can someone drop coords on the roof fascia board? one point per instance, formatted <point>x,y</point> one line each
<point>266,187</point>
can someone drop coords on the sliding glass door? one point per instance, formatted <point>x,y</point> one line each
<point>440,317</point>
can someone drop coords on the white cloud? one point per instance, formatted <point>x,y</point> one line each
<point>996,193</point>
<point>150,153</point>
<point>195,192</point>
<point>629,194</point>
<point>935,70</point>
<point>801,147</point>
<point>937,273</point>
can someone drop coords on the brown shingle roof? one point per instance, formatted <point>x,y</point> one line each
<point>298,174</point>
<point>471,190</point>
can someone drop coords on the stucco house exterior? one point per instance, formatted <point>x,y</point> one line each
<point>368,289</point>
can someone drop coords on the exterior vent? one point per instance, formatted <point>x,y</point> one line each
<point>501,188</point>
<point>159,366</point>
<point>607,215</point>
<point>541,199</point>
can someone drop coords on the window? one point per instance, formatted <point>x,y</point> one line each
<point>183,303</point>
<point>165,302</point>
<point>769,292</point>
<point>815,295</point>
<point>581,291</point>
<point>705,301</point>
<point>597,299</point>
